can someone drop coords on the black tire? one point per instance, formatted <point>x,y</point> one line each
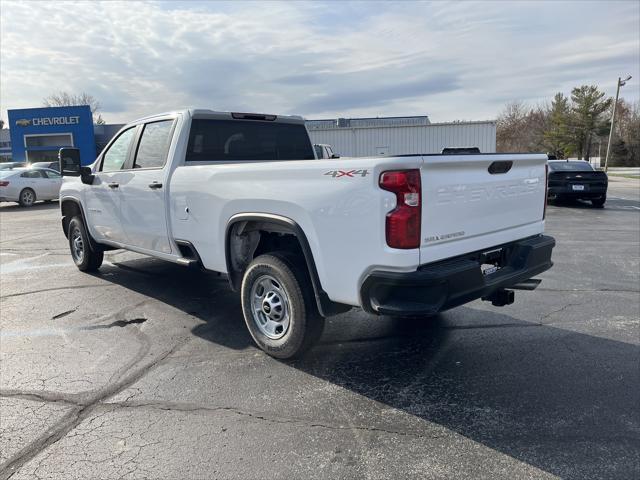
<point>86,258</point>
<point>27,197</point>
<point>599,202</point>
<point>292,291</point>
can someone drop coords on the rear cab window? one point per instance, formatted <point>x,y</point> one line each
<point>247,140</point>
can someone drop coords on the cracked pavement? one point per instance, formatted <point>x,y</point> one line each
<point>145,370</point>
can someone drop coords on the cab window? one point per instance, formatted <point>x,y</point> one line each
<point>154,145</point>
<point>115,158</point>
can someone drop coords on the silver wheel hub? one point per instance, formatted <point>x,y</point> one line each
<point>271,309</point>
<point>27,197</point>
<point>77,246</point>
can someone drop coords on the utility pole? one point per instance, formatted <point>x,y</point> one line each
<point>621,83</point>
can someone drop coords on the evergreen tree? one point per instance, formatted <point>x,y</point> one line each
<point>557,136</point>
<point>588,119</point>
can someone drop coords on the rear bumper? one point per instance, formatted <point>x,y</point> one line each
<point>568,192</point>
<point>439,286</point>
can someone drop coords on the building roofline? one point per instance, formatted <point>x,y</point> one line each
<point>440,124</point>
<point>365,118</point>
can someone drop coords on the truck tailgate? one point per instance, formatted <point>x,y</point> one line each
<point>471,202</point>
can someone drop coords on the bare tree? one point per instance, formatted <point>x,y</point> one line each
<point>626,136</point>
<point>520,128</point>
<point>66,99</point>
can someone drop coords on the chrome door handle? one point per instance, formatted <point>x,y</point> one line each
<point>155,185</point>
<point>114,185</point>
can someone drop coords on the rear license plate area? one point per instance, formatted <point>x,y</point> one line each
<point>577,188</point>
<point>491,261</point>
<point>488,269</point>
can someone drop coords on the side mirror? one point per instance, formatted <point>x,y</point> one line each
<point>86,175</point>
<point>69,159</point>
<point>70,166</point>
<point>335,155</point>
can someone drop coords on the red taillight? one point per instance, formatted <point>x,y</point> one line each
<point>546,189</point>
<point>4,183</point>
<point>403,222</point>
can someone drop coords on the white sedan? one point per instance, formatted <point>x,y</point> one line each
<point>28,185</point>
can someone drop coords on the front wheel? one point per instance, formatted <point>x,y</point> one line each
<point>599,202</point>
<point>279,306</point>
<point>85,258</point>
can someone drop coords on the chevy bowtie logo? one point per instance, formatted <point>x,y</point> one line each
<point>23,122</point>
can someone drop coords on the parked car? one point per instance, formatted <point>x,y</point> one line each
<point>577,180</point>
<point>302,240</point>
<point>50,165</point>
<point>28,185</point>
<point>11,165</point>
<point>324,151</point>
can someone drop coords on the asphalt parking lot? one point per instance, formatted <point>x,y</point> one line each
<point>146,370</point>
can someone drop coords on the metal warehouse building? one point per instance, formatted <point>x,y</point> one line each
<point>360,137</point>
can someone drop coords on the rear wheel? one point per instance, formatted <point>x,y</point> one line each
<point>279,307</point>
<point>27,197</point>
<point>599,202</point>
<point>85,258</point>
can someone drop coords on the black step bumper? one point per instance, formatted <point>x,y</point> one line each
<point>443,285</point>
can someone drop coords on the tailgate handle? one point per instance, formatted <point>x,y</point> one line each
<point>500,167</point>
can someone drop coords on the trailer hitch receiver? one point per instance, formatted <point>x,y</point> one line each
<point>500,298</point>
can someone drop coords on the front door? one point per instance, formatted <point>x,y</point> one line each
<point>144,194</point>
<point>104,198</point>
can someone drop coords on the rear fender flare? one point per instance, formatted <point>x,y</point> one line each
<point>326,307</point>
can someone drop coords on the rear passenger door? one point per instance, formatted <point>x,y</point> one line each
<point>38,183</point>
<point>144,194</point>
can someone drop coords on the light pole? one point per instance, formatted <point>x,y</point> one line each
<point>621,83</point>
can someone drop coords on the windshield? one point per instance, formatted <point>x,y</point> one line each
<point>234,140</point>
<point>579,166</point>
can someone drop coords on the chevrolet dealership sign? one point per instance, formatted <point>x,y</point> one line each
<point>55,127</point>
<point>47,121</point>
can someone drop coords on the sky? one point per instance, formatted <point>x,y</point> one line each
<point>452,61</point>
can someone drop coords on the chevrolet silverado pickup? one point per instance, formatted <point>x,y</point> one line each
<point>302,239</point>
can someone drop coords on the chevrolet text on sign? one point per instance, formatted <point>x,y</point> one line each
<point>55,121</point>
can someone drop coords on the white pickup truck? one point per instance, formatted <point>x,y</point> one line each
<point>301,238</point>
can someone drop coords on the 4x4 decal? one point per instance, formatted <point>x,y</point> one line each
<point>347,173</point>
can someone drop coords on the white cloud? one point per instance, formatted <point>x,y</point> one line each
<point>448,60</point>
